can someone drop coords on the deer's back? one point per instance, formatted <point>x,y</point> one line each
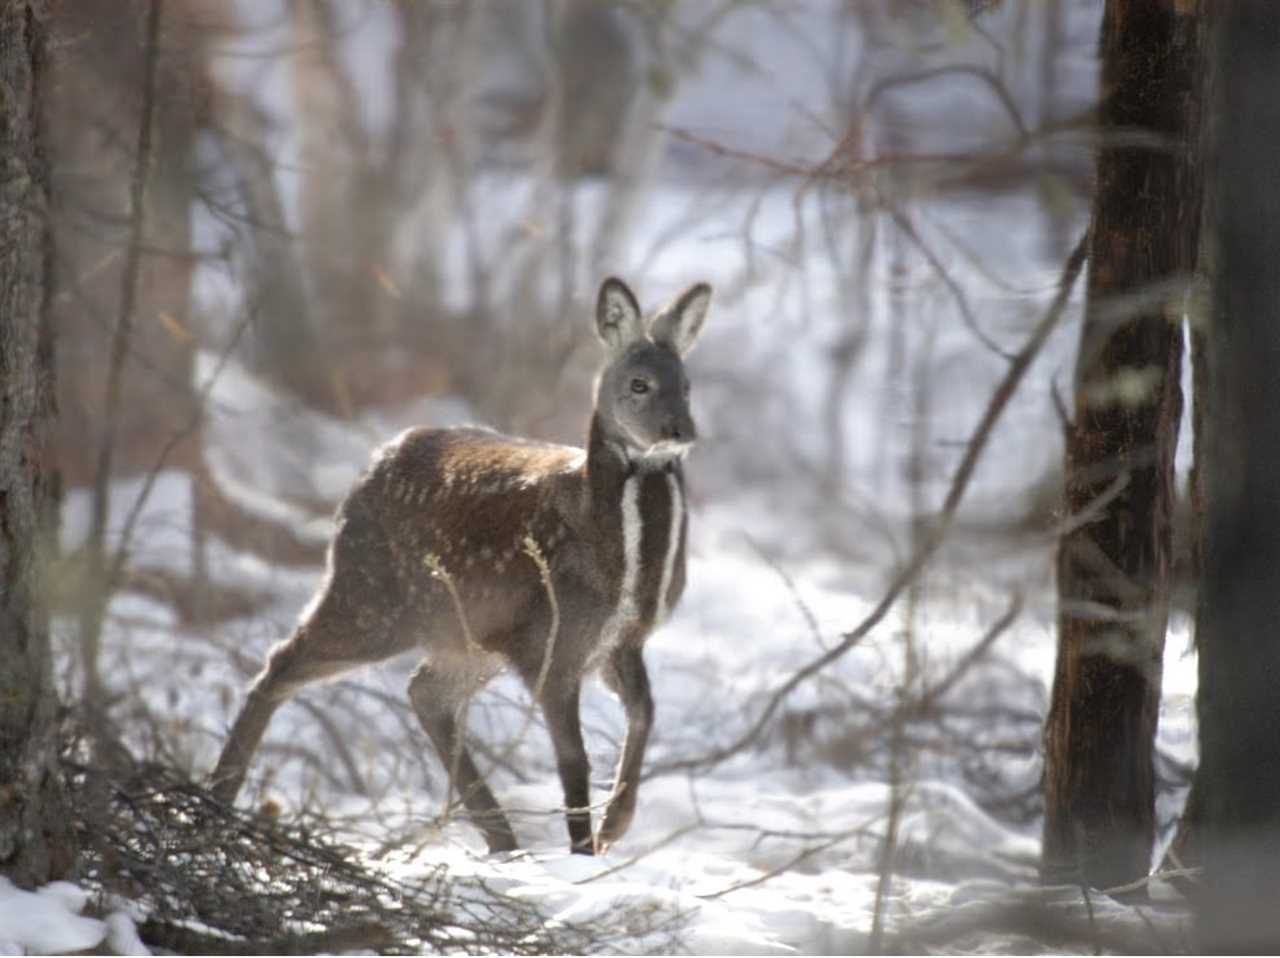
<point>463,509</point>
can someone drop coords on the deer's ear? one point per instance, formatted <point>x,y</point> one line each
<point>679,324</point>
<point>618,320</point>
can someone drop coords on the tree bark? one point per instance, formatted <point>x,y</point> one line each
<point>1113,572</point>
<point>35,838</point>
<point>1239,603</point>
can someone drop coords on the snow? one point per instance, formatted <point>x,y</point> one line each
<point>48,922</point>
<point>777,849</point>
<point>122,935</point>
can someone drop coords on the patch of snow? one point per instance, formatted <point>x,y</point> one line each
<point>46,921</point>
<point>122,935</point>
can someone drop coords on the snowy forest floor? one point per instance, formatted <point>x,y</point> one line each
<point>889,802</point>
<point>777,847</point>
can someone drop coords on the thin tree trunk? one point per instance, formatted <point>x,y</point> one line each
<point>1239,603</point>
<point>1113,573</point>
<point>94,603</point>
<point>35,835</point>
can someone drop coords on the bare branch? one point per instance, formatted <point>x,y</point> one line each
<point>992,82</point>
<point>935,692</point>
<point>903,222</point>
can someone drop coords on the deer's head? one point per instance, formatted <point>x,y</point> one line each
<point>642,397</point>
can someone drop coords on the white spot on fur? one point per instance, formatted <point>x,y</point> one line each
<point>673,547</point>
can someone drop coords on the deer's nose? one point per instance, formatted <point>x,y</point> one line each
<point>680,430</point>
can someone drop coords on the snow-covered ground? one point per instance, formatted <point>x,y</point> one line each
<point>779,848</point>
<point>774,851</point>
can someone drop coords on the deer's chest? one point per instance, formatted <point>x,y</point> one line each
<point>649,547</point>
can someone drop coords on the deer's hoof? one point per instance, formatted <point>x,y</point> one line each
<point>501,844</point>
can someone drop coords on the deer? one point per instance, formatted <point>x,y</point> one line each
<point>483,551</point>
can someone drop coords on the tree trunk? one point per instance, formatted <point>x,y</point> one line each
<point>1239,605</point>
<point>1113,571</point>
<point>35,840</point>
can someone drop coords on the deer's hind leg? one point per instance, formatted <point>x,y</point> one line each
<point>438,696</point>
<point>356,620</point>
<point>331,639</point>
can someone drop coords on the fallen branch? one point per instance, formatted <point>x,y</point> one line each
<point>212,879</point>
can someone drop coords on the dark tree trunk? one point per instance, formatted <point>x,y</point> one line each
<point>1113,571</point>
<point>1239,606</point>
<point>35,843</point>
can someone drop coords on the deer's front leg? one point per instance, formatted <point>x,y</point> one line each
<point>626,675</point>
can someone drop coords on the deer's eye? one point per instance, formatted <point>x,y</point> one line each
<point>639,386</point>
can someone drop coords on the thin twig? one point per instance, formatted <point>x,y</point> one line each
<point>806,612</point>
<point>337,739</point>
<point>1092,512</point>
<point>675,836</point>
<point>930,696</point>
<point>438,571</point>
<point>95,605</point>
<point>534,552</point>
<point>799,857</point>
<point>903,222</point>
<point>993,82</point>
<point>888,848</point>
<point>121,555</point>
<point>535,555</point>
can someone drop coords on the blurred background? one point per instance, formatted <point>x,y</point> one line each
<point>404,210</point>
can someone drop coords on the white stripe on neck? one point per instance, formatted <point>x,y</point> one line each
<point>624,612</point>
<point>630,546</point>
<point>673,547</point>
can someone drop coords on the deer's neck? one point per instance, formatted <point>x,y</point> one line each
<point>638,506</point>
<point>610,464</point>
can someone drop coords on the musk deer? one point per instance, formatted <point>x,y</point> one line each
<point>477,548</point>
